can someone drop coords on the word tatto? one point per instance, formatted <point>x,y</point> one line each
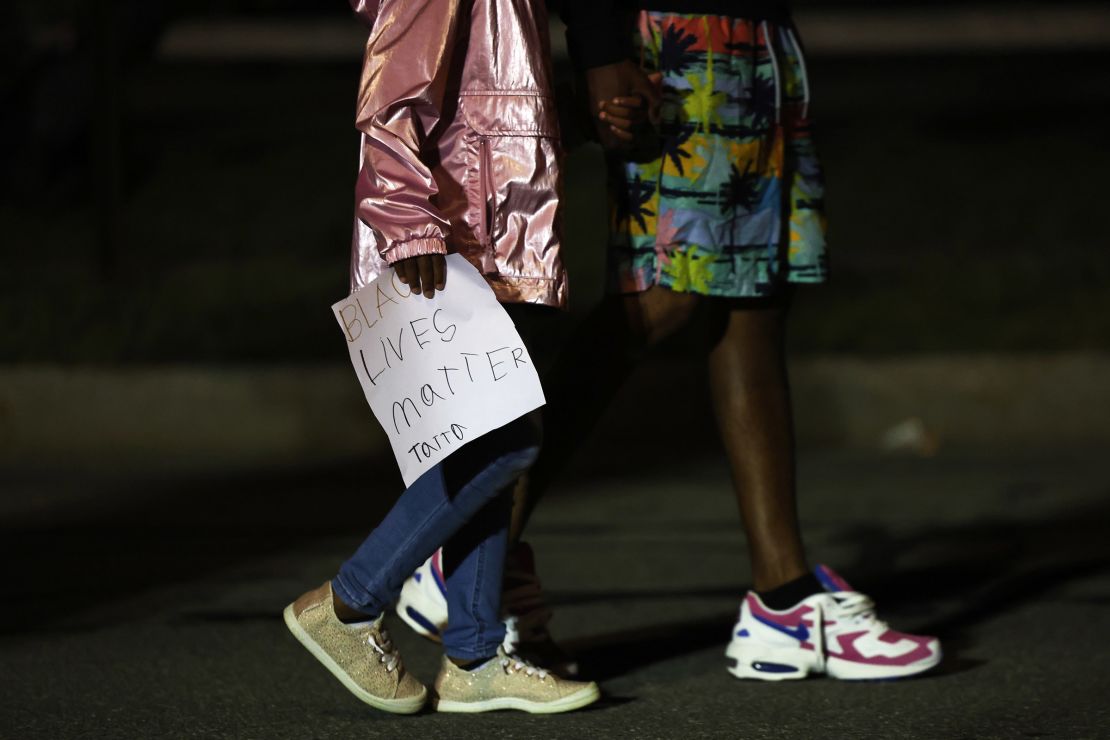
<point>456,432</point>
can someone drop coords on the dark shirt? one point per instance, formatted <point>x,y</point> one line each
<point>599,32</point>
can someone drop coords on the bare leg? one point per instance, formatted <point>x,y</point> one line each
<point>751,398</point>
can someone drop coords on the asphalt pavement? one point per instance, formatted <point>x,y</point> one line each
<point>144,608</point>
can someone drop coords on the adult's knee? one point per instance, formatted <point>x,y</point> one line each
<point>659,312</point>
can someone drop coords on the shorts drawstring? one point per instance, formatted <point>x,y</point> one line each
<point>801,70</point>
<point>775,81</point>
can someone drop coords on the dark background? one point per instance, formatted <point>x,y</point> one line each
<point>168,207</point>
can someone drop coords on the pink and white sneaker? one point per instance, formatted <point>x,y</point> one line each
<point>835,633</point>
<point>423,601</point>
<point>423,607</point>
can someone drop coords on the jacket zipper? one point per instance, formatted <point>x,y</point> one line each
<point>486,191</point>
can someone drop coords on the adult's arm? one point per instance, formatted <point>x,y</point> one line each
<point>599,38</point>
<point>598,32</point>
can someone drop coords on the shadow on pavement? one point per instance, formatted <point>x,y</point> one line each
<point>617,653</point>
<point>986,568</point>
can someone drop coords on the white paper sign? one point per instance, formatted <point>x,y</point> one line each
<point>437,372</point>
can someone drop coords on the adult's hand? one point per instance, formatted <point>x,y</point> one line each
<point>424,274</point>
<point>622,79</point>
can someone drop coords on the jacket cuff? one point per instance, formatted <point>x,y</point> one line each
<point>414,248</point>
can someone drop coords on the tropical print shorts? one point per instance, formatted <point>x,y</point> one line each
<point>734,204</point>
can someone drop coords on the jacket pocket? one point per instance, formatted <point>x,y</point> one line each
<point>515,169</point>
<point>510,113</point>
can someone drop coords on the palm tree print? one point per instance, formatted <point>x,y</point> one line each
<point>762,101</point>
<point>690,270</point>
<point>666,239</point>
<point>710,214</point>
<point>742,191</point>
<point>634,203</point>
<point>673,148</point>
<point>674,51</point>
<point>703,101</point>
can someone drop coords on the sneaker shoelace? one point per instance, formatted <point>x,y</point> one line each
<point>387,653</point>
<point>514,664</point>
<point>856,607</point>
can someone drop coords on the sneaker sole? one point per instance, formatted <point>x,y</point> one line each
<point>769,664</point>
<point>395,706</point>
<point>583,697</point>
<point>787,664</point>
<point>849,671</point>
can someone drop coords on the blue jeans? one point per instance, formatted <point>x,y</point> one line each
<point>462,504</point>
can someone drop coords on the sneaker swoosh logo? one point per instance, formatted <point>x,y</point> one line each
<point>799,633</point>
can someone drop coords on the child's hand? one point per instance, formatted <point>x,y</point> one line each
<point>623,115</point>
<point>425,273</point>
<point>629,114</point>
<point>623,79</point>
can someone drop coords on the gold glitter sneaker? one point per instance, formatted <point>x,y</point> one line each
<point>361,656</point>
<point>507,681</point>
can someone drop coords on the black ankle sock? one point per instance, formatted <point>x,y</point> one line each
<point>791,592</point>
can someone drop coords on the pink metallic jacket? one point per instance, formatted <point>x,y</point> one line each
<point>460,143</point>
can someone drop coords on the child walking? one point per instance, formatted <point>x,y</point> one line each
<point>459,154</point>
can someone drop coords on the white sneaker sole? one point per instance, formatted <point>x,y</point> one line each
<point>583,697</point>
<point>786,664</point>
<point>769,664</point>
<point>410,705</point>
<point>847,670</point>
